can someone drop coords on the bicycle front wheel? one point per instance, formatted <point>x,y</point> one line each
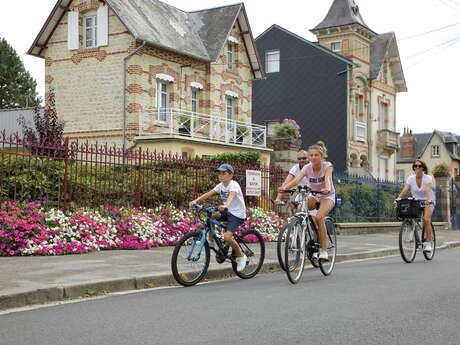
<point>407,241</point>
<point>190,260</point>
<point>253,246</point>
<point>280,246</point>
<point>430,255</point>
<point>326,267</point>
<point>295,252</point>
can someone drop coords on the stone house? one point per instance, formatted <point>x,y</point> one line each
<point>144,73</point>
<point>433,148</point>
<point>372,84</point>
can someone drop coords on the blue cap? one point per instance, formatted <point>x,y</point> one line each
<point>226,167</point>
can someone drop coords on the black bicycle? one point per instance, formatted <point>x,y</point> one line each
<point>302,240</point>
<point>412,232</point>
<point>191,255</point>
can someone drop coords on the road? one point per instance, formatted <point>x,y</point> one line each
<point>382,301</point>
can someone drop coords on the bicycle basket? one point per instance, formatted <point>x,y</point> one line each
<point>408,208</point>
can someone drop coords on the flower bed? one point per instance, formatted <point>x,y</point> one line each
<point>31,229</point>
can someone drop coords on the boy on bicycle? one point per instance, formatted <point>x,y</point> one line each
<point>232,210</point>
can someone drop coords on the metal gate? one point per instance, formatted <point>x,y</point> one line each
<point>455,205</point>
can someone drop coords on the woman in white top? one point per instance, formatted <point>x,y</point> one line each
<point>419,186</point>
<point>319,175</point>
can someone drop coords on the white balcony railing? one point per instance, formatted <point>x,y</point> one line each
<point>195,125</point>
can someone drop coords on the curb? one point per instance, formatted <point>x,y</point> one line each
<point>97,288</point>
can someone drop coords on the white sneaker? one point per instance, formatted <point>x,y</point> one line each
<point>241,262</point>
<point>322,255</point>
<point>427,247</point>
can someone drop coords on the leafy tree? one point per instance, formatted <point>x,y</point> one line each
<point>46,137</point>
<point>17,87</point>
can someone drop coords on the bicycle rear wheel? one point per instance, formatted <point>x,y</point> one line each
<point>326,267</point>
<point>430,255</point>
<point>407,241</point>
<point>295,252</point>
<point>188,264</point>
<point>253,246</point>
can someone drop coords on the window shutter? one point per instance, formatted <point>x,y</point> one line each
<point>72,29</point>
<point>102,26</point>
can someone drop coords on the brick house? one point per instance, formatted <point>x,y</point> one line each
<point>144,73</point>
<point>364,107</point>
<point>433,148</point>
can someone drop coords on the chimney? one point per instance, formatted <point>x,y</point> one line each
<point>407,144</point>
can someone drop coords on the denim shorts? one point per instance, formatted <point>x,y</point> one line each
<point>233,221</point>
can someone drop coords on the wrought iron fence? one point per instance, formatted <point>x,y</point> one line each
<point>368,200</point>
<point>91,175</point>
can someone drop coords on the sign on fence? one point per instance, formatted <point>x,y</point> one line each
<point>253,183</point>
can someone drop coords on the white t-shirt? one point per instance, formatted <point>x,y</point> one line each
<point>295,170</point>
<point>237,207</point>
<point>420,193</point>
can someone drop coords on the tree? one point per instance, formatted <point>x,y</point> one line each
<point>46,137</point>
<point>17,87</point>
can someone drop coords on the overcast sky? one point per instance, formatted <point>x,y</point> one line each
<point>431,61</point>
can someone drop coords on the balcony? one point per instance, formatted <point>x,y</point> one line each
<point>201,126</point>
<point>388,141</point>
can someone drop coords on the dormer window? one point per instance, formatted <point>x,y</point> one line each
<point>90,31</point>
<point>336,47</point>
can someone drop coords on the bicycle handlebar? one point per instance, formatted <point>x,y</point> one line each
<point>300,189</point>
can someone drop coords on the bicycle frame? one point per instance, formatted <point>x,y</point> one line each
<point>209,226</point>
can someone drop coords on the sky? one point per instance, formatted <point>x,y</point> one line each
<point>431,60</point>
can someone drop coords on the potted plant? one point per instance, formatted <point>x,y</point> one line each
<point>185,125</point>
<point>441,170</point>
<point>242,129</point>
<point>286,135</point>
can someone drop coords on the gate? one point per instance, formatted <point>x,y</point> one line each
<point>455,205</point>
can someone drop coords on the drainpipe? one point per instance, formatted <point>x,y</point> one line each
<point>180,86</point>
<point>125,60</point>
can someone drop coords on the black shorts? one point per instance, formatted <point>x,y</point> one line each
<point>233,221</point>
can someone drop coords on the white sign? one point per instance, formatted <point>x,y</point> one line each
<point>253,183</point>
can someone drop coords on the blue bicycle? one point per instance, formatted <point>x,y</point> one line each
<point>191,256</point>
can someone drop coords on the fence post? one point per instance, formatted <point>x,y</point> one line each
<point>66,170</point>
<point>138,184</point>
<point>444,202</point>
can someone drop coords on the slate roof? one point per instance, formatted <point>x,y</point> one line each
<point>421,141</point>
<point>198,34</point>
<point>379,49</point>
<point>342,12</point>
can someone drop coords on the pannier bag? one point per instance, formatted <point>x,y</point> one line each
<point>408,208</point>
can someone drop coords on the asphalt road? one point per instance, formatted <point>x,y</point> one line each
<point>381,301</point>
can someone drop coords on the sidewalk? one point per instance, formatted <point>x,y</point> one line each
<point>41,279</point>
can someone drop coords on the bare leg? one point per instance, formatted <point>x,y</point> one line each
<point>228,237</point>
<point>325,207</point>
<point>427,214</point>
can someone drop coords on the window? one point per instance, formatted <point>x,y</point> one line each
<point>336,47</point>
<point>91,31</point>
<point>435,150</point>
<point>230,53</point>
<point>383,115</point>
<point>162,101</point>
<point>272,61</point>
<point>361,129</point>
<point>195,100</point>
<point>230,108</point>
<point>400,176</point>
<point>359,106</point>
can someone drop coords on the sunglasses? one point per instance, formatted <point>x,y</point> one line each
<point>417,166</point>
<point>302,158</point>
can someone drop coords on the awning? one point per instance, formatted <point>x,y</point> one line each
<point>196,85</point>
<point>231,94</point>
<point>165,77</point>
<point>233,40</point>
